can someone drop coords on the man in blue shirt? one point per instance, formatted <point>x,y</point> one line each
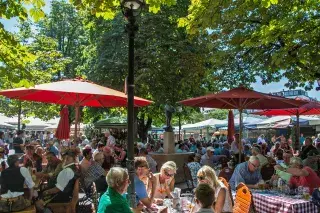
<point>142,172</point>
<point>247,173</point>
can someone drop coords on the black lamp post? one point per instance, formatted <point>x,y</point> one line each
<point>131,9</point>
<point>318,87</point>
<point>179,109</point>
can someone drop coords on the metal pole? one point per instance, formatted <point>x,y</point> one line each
<point>179,126</point>
<point>131,28</point>
<point>297,143</point>
<point>240,134</point>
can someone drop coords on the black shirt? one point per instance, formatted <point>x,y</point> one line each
<point>16,145</point>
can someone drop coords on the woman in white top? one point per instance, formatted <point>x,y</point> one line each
<point>222,198</point>
<point>165,180</point>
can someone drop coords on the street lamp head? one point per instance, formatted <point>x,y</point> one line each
<point>132,7</point>
<point>179,109</point>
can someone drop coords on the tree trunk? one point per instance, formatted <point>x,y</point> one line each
<point>143,127</point>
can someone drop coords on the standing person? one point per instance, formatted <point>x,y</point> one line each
<point>18,143</point>
<point>194,168</point>
<point>111,141</point>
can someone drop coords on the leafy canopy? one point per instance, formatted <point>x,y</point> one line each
<point>269,38</point>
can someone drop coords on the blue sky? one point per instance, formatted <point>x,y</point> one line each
<point>273,87</point>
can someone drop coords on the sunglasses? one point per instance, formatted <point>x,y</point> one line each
<point>167,174</point>
<point>201,177</point>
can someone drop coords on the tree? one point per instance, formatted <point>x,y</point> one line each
<point>47,63</point>
<point>270,39</point>
<point>168,65</point>
<point>14,57</point>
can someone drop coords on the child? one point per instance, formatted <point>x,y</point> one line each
<point>204,195</point>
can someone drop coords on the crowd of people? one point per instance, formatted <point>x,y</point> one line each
<point>45,172</point>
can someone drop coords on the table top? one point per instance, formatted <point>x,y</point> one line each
<point>272,201</point>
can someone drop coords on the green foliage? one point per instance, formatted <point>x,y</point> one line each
<point>14,57</point>
<point>270,39</point>
<point>108,9</point>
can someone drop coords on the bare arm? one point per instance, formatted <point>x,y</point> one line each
<point>220,201</point>
<point>298,172</point>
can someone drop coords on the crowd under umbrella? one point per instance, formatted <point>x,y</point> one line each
<point>242,98</point>
<point>75,92</point>
<point>311,108</point>
<point>63,130</point>
<point>231,129</point>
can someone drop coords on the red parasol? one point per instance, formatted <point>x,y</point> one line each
<point>231,130</point>
<point>242,98</point>
<point>63,130</point>
<point>75,92</point>
<point>311,108</point>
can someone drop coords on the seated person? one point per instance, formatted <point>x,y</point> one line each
<point>86,161</point>
<point>3,162</point>
<point>12,186</point>
<point>307,148</point>
<point>165,180</point>
<point>95,171</point>
<point>204,197</point>
<point>108,158</point>
<point>302,175</point>
<point>262,159</point>
<point>28,160</point>
<point>51,168</point>
<point>284,165</point>
<point>151,162</point>
<point>142,170</point>
<point>113,201</point>
<point>248,173</point>
<point>61,191</point>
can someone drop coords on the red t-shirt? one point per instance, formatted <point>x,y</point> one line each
<point>312,180</point>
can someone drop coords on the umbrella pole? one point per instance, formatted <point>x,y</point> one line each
<point>76,124</point>
<point>297,132</point>
<point>240,134</point>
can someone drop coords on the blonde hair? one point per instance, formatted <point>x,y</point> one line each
<point>116,177</point>
<point>169,165</point>
<point>296,161</point>
<point>210,175</point>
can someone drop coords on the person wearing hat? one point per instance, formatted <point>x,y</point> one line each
<point>207,159</point>
<point>61,190</point>
<point>12,182</point>
<point>18,143</point>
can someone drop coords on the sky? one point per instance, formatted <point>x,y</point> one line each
<point>11,25</point>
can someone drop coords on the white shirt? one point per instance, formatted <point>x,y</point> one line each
<point>27,180</point>
<point>64,177</point>
<point>111,141</point>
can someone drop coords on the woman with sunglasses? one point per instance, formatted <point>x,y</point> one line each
<point>165,180</point>
<point>222,198</point>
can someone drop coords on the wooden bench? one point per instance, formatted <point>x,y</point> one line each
<point>67,207</point>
